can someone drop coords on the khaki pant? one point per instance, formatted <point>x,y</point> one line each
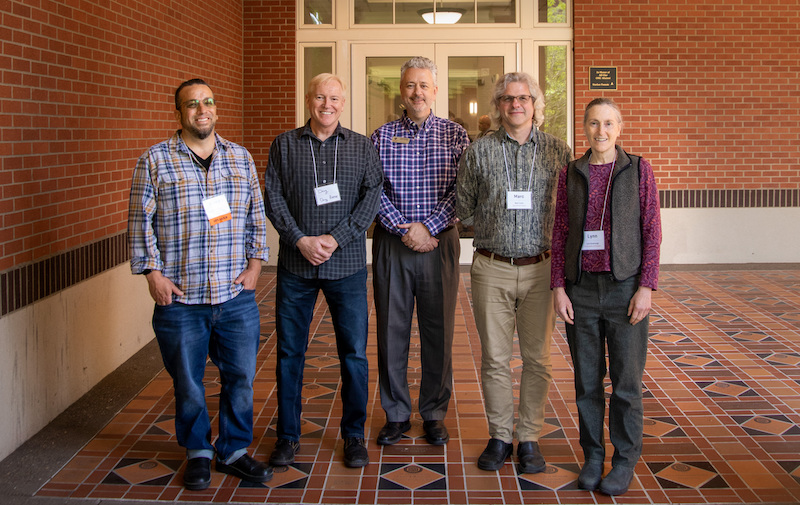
<point>506,297</point>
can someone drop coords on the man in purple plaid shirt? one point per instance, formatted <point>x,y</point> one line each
<point>415,254</point>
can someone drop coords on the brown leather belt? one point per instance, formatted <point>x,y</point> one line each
<point>530,260</point>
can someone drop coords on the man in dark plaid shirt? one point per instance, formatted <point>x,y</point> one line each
<point>415,254</point>
<point>323,185</point>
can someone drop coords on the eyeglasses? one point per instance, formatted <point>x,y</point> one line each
<point>523,99</point>
<point>193,104</point>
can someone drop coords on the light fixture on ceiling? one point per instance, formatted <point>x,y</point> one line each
<point>442,16</point>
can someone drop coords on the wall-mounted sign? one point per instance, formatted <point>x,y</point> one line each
<point>602,77</point>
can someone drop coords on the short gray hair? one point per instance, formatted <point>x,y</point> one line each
<point>420,62</point>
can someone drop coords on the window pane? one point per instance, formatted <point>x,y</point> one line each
<point>383,90</point>
<point>410,12</point>
<point>316,60</point>
<point>552,11</point>
<point>317,12</point>
<point>377,13</point>
<point>553,81</point>
<point>497,11</point>
<point>471,81</point>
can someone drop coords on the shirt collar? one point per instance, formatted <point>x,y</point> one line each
<point>502,134</point>
<point>307,131</point>
<point>412,126</point>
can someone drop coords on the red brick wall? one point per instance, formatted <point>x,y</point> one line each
<point>269,74</point>
<point>86,87</point>
<point>710,91</point>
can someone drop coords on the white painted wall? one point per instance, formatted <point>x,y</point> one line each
<point>57,349</point>
<point>709,236</point>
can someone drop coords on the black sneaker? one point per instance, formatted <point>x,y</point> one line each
<point>284,452</point>
<point>355,452</point>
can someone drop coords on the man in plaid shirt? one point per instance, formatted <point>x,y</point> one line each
<point>197,231</point>
<point>322,184</point>
<point>415,254</point>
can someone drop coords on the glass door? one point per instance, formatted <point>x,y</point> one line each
<point>467,73</point>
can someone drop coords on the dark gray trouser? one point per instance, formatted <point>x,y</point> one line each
<point>601,319</point>
<point>401,276</point>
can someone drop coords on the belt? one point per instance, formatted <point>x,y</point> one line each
<point>530,260</point>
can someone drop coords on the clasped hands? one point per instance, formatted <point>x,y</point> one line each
<point>418,238</point>
<point>317,249</point>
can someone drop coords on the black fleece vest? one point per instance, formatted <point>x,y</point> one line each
<point>626,228</point>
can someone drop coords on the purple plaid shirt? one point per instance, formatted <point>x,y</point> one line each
<point>419,167</point>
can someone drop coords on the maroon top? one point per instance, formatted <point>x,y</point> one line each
<point>599,261</point>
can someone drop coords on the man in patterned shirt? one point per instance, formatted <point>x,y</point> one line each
<point>507,184</point>
<point>197,230</point>
<point>323,183</point>
<point>415,254</point>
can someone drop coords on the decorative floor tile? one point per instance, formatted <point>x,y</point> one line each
<point>694,475</point>
<point>149,472</point>
<point>768,425</point>
<point>413,476</point>
<point>722,416</point>
<point>554,477</point>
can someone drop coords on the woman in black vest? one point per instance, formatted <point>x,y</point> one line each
<point>606,241</point>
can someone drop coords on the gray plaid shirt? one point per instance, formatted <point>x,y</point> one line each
<point>483,182</point>
<point>292,208</point>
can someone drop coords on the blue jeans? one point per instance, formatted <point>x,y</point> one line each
<point>601,320</point>
<point>229,334</point>
<point>347,301</point>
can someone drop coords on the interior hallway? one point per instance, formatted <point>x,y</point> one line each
<point>722,408</point>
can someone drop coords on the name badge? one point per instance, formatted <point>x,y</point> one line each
<point>594,240</point>
<point>217,209</point>
<point>518,200</point>
<point>327,194</point>
<point>401,140</point>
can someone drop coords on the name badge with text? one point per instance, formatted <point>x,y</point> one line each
<point>594,240</point>
<point>217,209</point>
<point>401,140</point>
<point>327,194</point>
<point>519,200</point>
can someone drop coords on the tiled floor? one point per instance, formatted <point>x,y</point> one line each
<point>722,416</point>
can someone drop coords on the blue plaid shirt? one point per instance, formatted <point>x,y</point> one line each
<point>419,167</point>
<point>168,229</point>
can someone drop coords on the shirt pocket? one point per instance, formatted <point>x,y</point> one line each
<point>173,189</point>
<point>234,182</point>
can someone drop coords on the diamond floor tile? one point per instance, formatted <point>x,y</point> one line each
<point>722,416</point>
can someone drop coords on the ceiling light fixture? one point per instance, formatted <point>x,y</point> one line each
<point>447,16</point>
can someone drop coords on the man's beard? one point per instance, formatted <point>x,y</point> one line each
<point>201,134</point>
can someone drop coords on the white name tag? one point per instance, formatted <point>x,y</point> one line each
<point>594,240</point>
<point>327,194</point>
<point>217,209</point>
<point>518,200</point>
